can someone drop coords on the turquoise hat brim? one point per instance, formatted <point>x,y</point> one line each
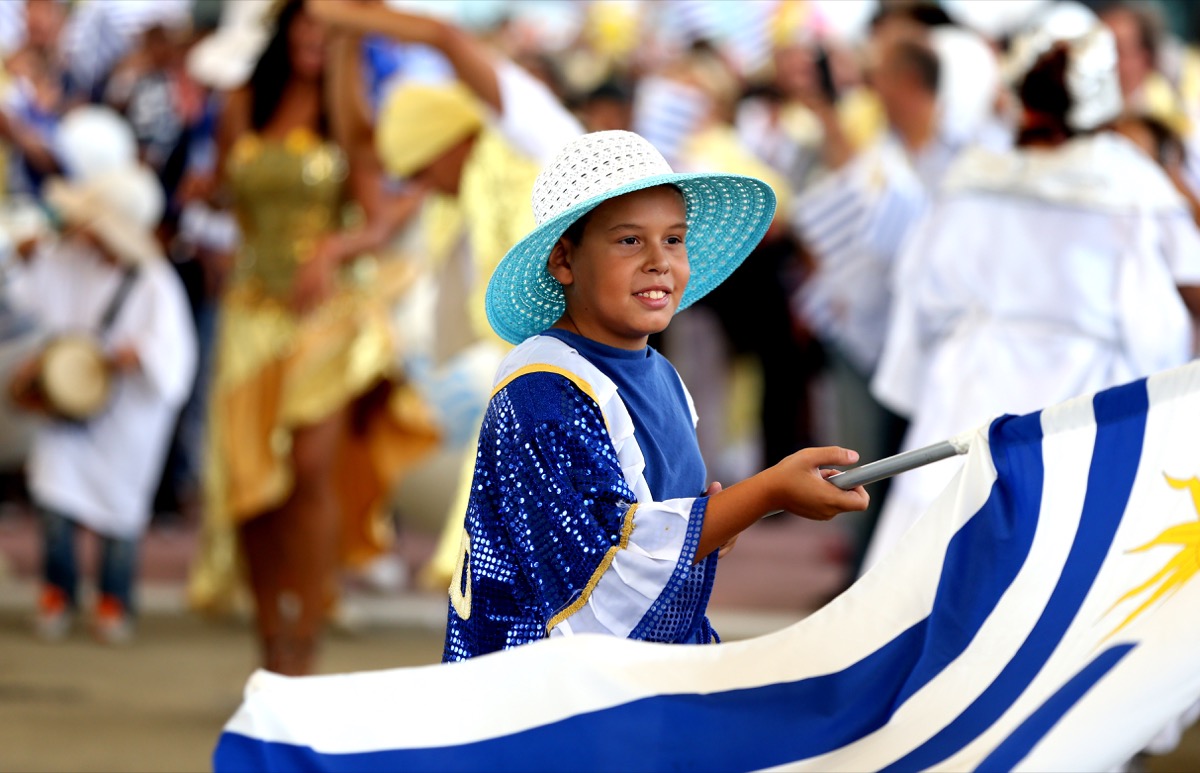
<point>727,216</point>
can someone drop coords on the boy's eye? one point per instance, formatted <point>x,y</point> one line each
<point>631,240</point>
<point>674,240</point>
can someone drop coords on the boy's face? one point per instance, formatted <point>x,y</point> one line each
<point>624,278</point>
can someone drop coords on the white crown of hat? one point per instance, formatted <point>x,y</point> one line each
<point>93,140</point>
<point>591,166</point>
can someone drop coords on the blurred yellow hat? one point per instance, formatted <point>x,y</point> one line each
<point>421,121</point>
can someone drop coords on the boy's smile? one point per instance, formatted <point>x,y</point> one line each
<point>624,276</point>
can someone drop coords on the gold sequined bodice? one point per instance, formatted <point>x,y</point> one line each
<point>287,194</point>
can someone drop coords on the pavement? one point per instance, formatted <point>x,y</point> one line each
<point>159,703</point>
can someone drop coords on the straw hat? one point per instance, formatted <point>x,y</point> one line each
<point>121,208</point>
<point>727,216</point>
<point>225,59</point>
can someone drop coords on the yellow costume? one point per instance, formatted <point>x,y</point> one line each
<point>277,371</point>
<point>493,207</point>
<point>418,124</point>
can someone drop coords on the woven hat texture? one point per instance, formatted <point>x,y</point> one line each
<point>727,216</point>
<point>120,207</point>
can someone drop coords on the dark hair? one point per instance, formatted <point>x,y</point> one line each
<point>274,70</point>
<point>923,12</point>
<point>574,232</point>
<point>610,90</point>
<point>1043,91</point>
<point>921,61</point>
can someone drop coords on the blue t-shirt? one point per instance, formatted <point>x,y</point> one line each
<point>650,388</point>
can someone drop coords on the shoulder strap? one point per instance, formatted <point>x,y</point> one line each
<point>128,277</point>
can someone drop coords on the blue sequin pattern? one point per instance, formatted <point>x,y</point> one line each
<point>548,501</point>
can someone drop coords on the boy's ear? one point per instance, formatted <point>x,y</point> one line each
<point>559,263</point>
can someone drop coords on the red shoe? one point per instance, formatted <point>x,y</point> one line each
<point>54,617</point>
<point>112,624</point>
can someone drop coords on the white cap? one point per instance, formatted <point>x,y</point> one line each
<point>94,140</point>
<point>1091,78</point>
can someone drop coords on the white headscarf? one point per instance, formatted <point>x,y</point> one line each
<point>1091,78</point>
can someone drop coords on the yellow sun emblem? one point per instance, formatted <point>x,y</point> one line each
<point>1182,567</point>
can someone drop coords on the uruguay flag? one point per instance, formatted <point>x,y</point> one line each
<point>1041,616</point>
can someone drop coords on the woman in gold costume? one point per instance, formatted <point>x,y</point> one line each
<point>308,430</point>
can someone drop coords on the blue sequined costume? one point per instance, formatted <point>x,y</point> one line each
<point>556,538</point>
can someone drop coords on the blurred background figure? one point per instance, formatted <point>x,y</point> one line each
<point>1112,243</point>
<point>308,426</point>
<point>117,363</point>
<point>936,84</point>
<point>476,143</point>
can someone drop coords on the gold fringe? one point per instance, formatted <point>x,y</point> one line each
<point>577,604</point>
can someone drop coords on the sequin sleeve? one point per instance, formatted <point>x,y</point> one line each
<point>557,539</point>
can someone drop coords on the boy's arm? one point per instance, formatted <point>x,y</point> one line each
<point>796,485</point>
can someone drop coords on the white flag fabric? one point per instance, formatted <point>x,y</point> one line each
<point>1041,616</point>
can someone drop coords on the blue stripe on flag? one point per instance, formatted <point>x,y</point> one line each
<point>755,727</point>
<point>992,547</point>
<point>1021,741</point>
<point>1120,429</point>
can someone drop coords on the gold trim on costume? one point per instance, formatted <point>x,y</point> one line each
<point>584,386</point>
<point>577,604</point>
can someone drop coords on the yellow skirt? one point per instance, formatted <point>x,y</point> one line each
<point>276,372</point>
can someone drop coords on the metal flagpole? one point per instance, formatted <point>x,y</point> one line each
<point>894,465</point>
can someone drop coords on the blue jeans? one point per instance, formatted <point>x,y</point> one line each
<point>118,560</point>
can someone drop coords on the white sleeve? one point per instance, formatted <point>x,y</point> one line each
<point>532,118</point>
<point>1180,243</point>
<point>653,565</point>
<point>157,323</point>
<point>899,376</point>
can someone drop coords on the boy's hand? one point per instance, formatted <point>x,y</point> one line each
<point>799,485</point>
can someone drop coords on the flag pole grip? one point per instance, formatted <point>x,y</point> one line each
<point>894,465</point>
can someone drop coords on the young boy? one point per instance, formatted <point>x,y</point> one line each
<point>586,511</point>
<point>107,278</point>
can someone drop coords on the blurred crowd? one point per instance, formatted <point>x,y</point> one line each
<point>333,183</point>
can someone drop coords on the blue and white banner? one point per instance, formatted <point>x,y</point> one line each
<point>1041,616</point>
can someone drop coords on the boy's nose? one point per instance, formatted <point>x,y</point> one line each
<point>657,260</point>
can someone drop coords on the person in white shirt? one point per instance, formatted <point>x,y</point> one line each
<point>1060,269</point>
<point>105,278</point>
<point>934,85</point>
